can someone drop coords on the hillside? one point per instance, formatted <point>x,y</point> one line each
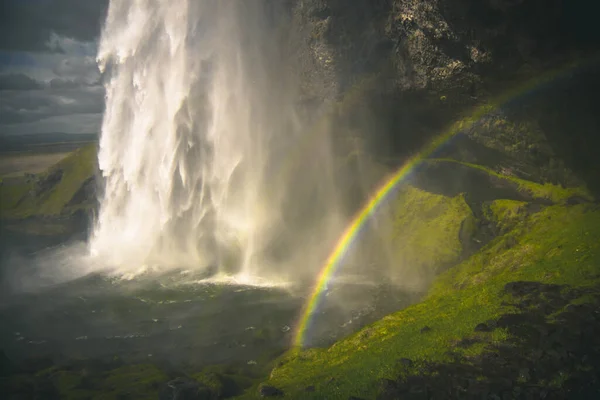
<point>51,202</point>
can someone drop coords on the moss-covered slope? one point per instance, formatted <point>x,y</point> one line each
<point>558,245</point>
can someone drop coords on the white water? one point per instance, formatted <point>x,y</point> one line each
<point>200,140</point>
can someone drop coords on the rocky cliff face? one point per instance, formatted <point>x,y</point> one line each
<point>415,65</point>
<point>440,45</point>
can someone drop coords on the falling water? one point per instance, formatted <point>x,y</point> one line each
<point>199,143</point>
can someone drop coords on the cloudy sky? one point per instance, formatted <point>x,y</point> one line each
<point>49,81</point>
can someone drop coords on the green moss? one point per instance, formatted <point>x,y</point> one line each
<point>12,193</point>
<point>506,213</point>
<point>427,229</point>
<point>558,245</point>
<point>19,201</point>
<point>71,385</point>
<point>555,193</point>
<point>213,381</point>
<point>135,381</point>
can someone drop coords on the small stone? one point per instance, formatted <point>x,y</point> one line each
<point>269,391</point>
<point>309,389</point>
<point>425,329</point>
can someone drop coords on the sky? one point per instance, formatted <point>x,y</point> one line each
<point>49,80</point>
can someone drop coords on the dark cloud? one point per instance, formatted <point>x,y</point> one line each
<point>76,67</point>
<point>28,24</point>
<point>22,107</point>
<point>77,123</point>
<point>49,79</point>
<point>60,83</point>
<point>18,81</point>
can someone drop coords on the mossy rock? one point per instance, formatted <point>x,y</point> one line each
<point>427,231</point>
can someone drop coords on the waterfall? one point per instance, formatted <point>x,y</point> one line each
<point>200,140</point>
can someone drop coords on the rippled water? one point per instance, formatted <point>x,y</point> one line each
<point>181,318</point>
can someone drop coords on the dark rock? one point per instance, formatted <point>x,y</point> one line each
<point>355,398</point>
<point>185,389</point>
<point>574,200</point>
<point>508,320</point>
<point>388,389</point>
<point>48,182</point>
<point>86,193</point>
<point>482,328</point>
<point>467,342</point>
<point>269,391</point>
<point>492,324</point>
<point>522,288</point>
<point>309,389</point>
<point>425,329</point>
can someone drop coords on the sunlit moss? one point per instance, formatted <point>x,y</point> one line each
<point>556,245</point>
<point>427,229</point>
<point>506,213</point>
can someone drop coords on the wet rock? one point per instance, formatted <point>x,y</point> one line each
<point>184,389</point>
<point>269,391</point>
<point>482,328</point>
<point>425,329</point>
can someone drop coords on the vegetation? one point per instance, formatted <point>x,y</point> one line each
<point>49,193</point>
<point>558,245</point>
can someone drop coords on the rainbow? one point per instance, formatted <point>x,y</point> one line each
<point>382,193</point>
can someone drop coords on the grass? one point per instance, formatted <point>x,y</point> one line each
<point>559,245</point>
<point>12,193</point>
<point>547,191</point>
<point>20,200</point>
